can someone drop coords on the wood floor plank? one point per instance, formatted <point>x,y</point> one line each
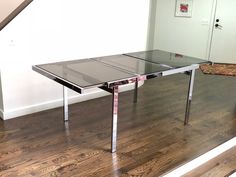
<point>221,165</point>
<point>152,139</point>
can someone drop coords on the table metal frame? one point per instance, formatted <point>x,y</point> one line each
<point>113,88</point>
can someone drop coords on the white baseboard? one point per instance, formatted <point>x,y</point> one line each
<point>13,113</point>
<point>9,114</point>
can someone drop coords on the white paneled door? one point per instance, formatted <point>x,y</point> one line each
<point>223,46</point>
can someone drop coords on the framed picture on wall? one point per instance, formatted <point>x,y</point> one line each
<point>183,8</point>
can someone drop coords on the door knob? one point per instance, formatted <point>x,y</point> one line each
<point>218,26</point>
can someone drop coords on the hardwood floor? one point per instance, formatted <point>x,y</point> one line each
<point>222,165</point>
<point>151,136</point>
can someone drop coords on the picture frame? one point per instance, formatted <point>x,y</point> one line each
<point>184,8</point>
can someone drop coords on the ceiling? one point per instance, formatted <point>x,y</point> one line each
<point>9,9</point>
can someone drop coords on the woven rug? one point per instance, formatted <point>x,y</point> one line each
<point>219,69</point>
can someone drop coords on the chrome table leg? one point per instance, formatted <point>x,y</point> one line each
<point>65,103</point>
<point>189,98</point>
<point>115,95</point>
<point>136,91</point>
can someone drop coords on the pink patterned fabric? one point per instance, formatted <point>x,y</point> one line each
<point>219,69</point>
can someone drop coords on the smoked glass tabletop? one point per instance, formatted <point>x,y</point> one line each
<point>85,72</point>
<point>132,64</point>
<point>166,58</point>
<point>98,71</point>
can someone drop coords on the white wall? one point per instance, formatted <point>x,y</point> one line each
<point>189,36</point>
<point>56,30</point>
<point>152,24</point>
